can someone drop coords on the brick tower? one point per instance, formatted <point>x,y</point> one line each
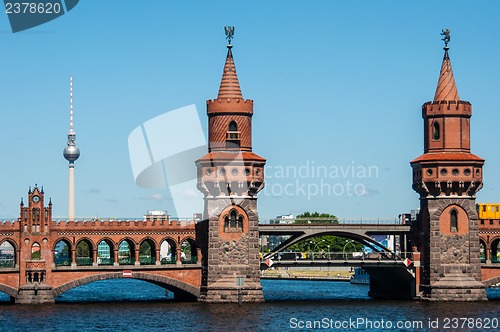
<point>230,176</point>
<point>447,177</point>
<point>35,254</point>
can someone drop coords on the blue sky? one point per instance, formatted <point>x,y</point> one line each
<point>335,84</point>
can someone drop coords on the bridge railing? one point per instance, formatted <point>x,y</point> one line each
<point>339,256</point>
<point>342,221</point>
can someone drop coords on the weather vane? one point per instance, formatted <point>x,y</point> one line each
<point>446,38</point>
<point>229,33</point>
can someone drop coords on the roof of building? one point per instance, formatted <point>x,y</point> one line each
<point>228,156</point>
<point>229,86</point>
<point>448,156</point>
<point>446,87</point>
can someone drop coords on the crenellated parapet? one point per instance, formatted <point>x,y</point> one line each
<point>447,107</point>
<point>123,224</point>
<point>228,105</point>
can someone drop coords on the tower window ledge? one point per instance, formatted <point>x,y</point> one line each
<point>233,135</point>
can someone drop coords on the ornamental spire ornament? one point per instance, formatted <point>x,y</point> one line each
<point>229,33</point>
<point>230,86</point>
<point>446,38</point>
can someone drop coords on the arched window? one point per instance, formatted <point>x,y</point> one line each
<point>453,221</point>
<point>233,126</point>
<point>233,222</point>
<point>436,134</point>
<point>232,133</point>
<point>35,251</point>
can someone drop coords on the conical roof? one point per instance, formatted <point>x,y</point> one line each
<point>229,85</point>
<point>446,87</point>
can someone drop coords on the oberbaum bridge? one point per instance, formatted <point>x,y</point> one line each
<point>439,260</point>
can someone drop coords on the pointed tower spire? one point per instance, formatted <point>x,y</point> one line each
<point>229,86</point>
<point>446,87</point>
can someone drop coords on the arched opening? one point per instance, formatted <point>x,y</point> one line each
<point>84,253</point>
<point>147,252</point>
<point>126,252</point>
<point>453,221</point>
<point>233,222</point>
<point>105,253</point>
<point>189,254</point>
<point>62,253</point>
<point>233,135</point>
<point>7,255</point>
<point>168,252</point>
<point>495,251</point>
<point>35,251</point>
<point>436,133</point>
<point>482,251</point>
<point>105,287</point>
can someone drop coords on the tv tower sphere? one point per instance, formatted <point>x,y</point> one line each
<point>71,152</point>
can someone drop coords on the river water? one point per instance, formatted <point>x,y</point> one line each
<point>133,305</point>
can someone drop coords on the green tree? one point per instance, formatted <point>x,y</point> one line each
<point>315,218</point>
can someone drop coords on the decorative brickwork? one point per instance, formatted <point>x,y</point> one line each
<point>36,274</point>
<point>230,176</point>
<point>447,177</point>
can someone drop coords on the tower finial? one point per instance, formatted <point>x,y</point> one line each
<point>446,88</point>
<point>70,103</point>
<point>229,87</point>
<point>446,38</point>
<point>229,34</point>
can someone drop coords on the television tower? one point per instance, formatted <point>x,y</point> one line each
<point>71,153</point>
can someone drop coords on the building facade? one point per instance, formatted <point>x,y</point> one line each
<point>447,177</point>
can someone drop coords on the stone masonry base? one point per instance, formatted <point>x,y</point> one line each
<point>227,292</point>
<point>35,294</point>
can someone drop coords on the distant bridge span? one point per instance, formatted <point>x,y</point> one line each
<point>359,232</point>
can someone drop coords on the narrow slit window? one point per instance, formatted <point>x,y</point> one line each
<point>453,221</point>
<point>436,133</point>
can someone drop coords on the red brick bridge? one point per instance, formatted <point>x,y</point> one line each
<point>41,258</point>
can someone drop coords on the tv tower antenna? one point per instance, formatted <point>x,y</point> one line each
<point>71,153</point>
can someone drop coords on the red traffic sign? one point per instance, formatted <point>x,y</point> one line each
<point>407,262</point>
<point>269,262</point>
<point>127,273</point>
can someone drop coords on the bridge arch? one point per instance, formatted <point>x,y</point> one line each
<point>65,239</point>
<point>61,249</point>
<point>492,281</point>
<point>9,253</point>
<point>361,238</point>
<point>12,242</point>
<point>179,288</point>
<point>112,244</point>
<point>150,240</point>
<point>8,290</point>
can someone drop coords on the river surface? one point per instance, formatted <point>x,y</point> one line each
<point>133,305</point>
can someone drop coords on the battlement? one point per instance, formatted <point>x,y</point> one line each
<point>448,107</point>
<point>232,106</point>
<point>114,224</point>
<point>9,225</point>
